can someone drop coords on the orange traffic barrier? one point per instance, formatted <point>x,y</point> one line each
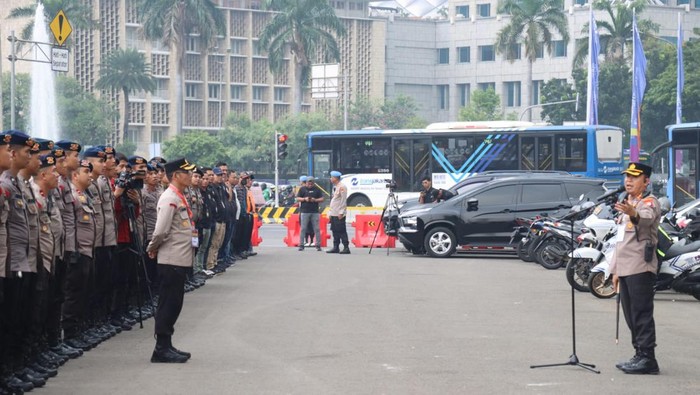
<point>255,238</point>
<point>292,237</point>
<point>366,227</point>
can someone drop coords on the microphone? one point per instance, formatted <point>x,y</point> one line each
<point>611,193</point>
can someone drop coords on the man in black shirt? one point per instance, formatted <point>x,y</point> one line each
<point>428,194</point>
<point>309,196</point>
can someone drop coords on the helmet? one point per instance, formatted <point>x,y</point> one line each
<point>664,205</point>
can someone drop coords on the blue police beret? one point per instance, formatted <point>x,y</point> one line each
<point>94,152</point>
<point>69,145</point>
<point>136,160</point>
<point>217,171</point>
<point>15,137</point>
<point>336,174</point>
<point>45,144</point>
<point>302,179</point>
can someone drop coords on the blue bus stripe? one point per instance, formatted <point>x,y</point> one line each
<point>500,149</point>
<point>440,157</point>
<point>475,156</point>
<point>489,149</point>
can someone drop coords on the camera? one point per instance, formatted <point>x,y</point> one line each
<point>391,185</point>
<point>127,180</point>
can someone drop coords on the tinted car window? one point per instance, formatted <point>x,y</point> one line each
<point>539,193</point>
<point>590,191</point>
<point>466,188</point>
<point>497,196</point>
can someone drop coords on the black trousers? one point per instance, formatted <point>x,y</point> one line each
<point>16,319</point>
<point>77,291</point>
<point>55,302</point>
<point>340,232</point>
<point>40,303</point>
<point>637,298</point>
<point>170,297</point>
<point>123,262</point>
<point>241,234</point>
<point>102,292</point>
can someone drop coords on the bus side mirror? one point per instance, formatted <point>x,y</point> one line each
<point>472,204</point>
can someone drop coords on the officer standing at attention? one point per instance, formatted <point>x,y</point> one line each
<point>338,208</point>
<point>634,266</point>
<point>173,243</point>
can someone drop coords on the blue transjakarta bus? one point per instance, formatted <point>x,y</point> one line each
<point>451,152</point>
<point>682,157</point>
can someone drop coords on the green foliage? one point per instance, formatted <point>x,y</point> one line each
<point>127,148</point>
<point>23,86</point>
<point>197,146</point>
<point>556,90</point>
<point>77,12</point>
<point>483,106</point>
<point>399,113</point>
<point>83,117</point>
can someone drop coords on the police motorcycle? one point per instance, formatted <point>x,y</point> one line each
<point>526,231</point>
<point>679,265</point>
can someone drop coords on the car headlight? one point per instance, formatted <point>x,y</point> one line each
<point>409,221</point>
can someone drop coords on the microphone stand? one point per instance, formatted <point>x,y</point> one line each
<point>573,359</point>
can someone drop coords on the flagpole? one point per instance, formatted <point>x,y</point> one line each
<point>679,70</point>
<point>589,86</point>
<point>634,155</point>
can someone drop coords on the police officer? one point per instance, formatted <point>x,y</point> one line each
<point>174,240</point>
<point>217,236</point>
<point>634,266</point>
<point>196,201</point>
<point>428,194</point>
<point>338,208</point>
<point>104,253</point>
<point>151,194</point>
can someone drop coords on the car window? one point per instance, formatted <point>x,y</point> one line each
<point>497,196</point>
<point>469,187</point>
<point>539,193</point>
<point>590,191</point>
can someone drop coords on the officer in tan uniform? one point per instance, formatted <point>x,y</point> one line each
<point>104,253</point>
<point>173,243</point>
<point>634,266</point>
<point>77,280</point>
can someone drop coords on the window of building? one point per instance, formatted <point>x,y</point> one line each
<point>483,10</point>
<point>161,90</point>
<point>539,51</point>
<point>514,52</point>
<point>512,93</point>
<point>191,44</point>
<point>133,38</point>
<point>443,97</point>
<point>683,2</point>
<point>258,93</point>
<point>463,94</point>
<point>132,136</point>
<point>486,53</point>
<point>257,51</point>
<point>214,91</point>
<point>536,91</point>
<point>484,86</point>
<point>238,47</point>
<point>237,92</point>
<point>443,55</point>
<point>559,49</point>
<point>463,54</point>
<point>581,2</point>
<point>462,10</point>
<point>192,91</point>
<point>280,94</point>
<point>351,5</point>
<point>157,135</point>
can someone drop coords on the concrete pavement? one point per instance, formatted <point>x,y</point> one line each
<point>289,322</point>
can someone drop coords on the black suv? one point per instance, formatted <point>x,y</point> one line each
<point>484,217</point>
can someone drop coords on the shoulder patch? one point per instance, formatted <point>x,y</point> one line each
<point>173,205</point>
<point>649,202</point>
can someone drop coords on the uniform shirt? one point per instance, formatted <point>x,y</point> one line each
<point>47,238</point>
<point>150,210</point>
<point>55,203</point>
<point>173,234</point>
<point>85,227</point>
<point>339,200</point>
<point>17,224</point>
<point>194,198</point>
<point>32,220</point>
<point>65,189</point>
<point>314,192</point>
<point>109,237</point>
<point>4,213</point>
<point>93,192</point>
<point>429,196</point>
<point>628,258</point>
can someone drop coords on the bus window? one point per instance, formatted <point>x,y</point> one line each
<point>455,150</point>
<point>609,145</point>
<point>365,155</point>
<point>504,156</point>
<point>571,153</point>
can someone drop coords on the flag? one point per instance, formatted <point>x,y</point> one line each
<point>592,88</point>
<point>680,78</point>
<point>639,84</point>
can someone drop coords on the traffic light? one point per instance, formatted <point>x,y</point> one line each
<point>281,146</point>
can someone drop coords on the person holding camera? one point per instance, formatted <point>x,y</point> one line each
<point>428,194</point>
<point>634,266</point>
<point>309,196</point>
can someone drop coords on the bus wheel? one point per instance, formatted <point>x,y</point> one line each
<point>359,201</point>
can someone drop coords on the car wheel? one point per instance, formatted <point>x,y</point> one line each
<point>359,201</point>
<point>440,242</point>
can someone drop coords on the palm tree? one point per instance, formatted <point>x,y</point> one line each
<point>126,69</point>
<point>306,28</point>
<point>533,23</point>
<point>77,12</point>
<point>616,33</point>
<point>173,22</point>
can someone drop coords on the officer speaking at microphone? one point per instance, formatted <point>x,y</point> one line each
<point>173,242</point>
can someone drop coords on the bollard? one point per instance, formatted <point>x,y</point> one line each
<point>255,238</point>
<point>292,237</point>
<point>365,228</point>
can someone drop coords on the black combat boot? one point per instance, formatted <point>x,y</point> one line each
<point>645,364</point>
<point>164,352</point>
<point>345,250</point>
<point>334,250</point>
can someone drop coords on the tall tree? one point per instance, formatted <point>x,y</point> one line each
<point>84,117</point>
<point>306,28</point>
<point>77,12</point>
<point>174,22</point>
<point>485,105</point>
<point>533,24</point>
<point>616,32</point>
<point>126,70</point>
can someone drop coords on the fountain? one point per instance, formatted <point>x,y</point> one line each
<point>43,120</point>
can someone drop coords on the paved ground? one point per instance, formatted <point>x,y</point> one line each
<point>289,322</point>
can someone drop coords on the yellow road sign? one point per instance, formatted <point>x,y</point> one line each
<point>60,27</point>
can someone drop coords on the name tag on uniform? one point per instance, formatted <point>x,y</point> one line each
<point>620,233</point>
<point>195,238</point>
